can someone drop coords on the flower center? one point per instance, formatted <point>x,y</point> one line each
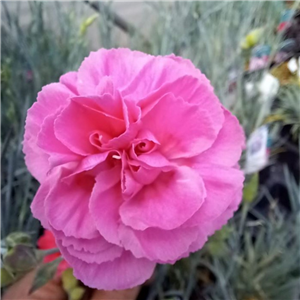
<point>144,146</point>
<point>98,138</point>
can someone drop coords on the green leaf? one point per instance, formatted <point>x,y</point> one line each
<point>69,282</point>
<point>42,253</point>
<point>16,238</point>
<point>21,258</point>
<point>222,234</point>
<point>216,244</point>
<point>77,293</point>
<point>251,188</point>
<point>217,248</point>
<point>7,278</point>
<point>44,274</point>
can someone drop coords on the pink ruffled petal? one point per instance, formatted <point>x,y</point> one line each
<point>105,86</point>
<point>93,245</point>
<point>70,81</point>
<point>188,131</point>
<point>143,135</point>
<point>67,207</point>
<point>220,221</point>
<point>130,186</point>
<point>188,66</point>
<point>51,99</point>
<point>38,203</point>
<point>198,243</point>
<point>47,141</point>
<point>157,244</point>
<point>105,201</point>
<point>36,160</point>
<point>121,65</point>
<point>154,159</point>
<point>122,273</point>
<point>132,112</point>
<point>192,90</point>
<point>222,185</point>
<point>109,105</point>
<point>78,120</point>
<point>156,73</point>
<point>167,203</point>
<point>109,254</point>
<point>124,139</point>
<point>144,176</point>
<point>99,160</point>
<point>227,148</point>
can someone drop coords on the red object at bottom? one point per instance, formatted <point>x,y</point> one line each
<point>46,242</point>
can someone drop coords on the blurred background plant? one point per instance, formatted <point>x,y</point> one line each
<point>256,256</point>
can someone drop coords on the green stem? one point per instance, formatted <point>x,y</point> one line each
<point>49,251</point>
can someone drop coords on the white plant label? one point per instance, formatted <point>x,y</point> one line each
<point>257,152</point>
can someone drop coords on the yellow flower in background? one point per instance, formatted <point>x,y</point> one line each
<point>87,23</point>
<point>252,38</point>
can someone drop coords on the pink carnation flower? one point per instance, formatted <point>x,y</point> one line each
<point>137,161</point>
